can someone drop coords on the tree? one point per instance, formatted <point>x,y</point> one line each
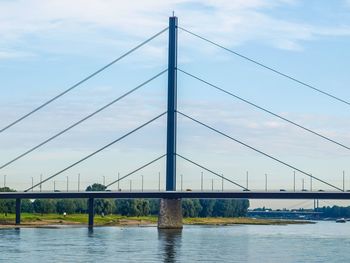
<point>207,207</point>
<point>154,206</point>
<point>7,205</point>
<point>27,206</point>
<point>96,187</point>
<point>65,206</point>
<point>44,206</point>
<point>105,206</point>
<point>191,207</point>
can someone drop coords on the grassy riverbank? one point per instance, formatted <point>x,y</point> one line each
<point>37,220</point>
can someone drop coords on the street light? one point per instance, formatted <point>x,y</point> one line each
<point>265,182</point>
<point>141,183</point>
<point>41,179</point>
<point>4,180</point>
<point>201,181</point>
<point>247,177</point>
<point>294,181</point>
<point>181,182</point>
<point>78,182</point>
<point>222,182</point>
<point>159,181</point>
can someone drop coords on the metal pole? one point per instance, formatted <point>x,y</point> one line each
<point>294,181</point>
<point>67,183</point>
<point>212,184</point>
<point>41,179</point>
<point>343,181</point>
<point>247,180</point>
<point>4,180</point>
<point>222,182</point>
<point>54,186</point>
<point>310,184</point>
<point>79,182</point>
<point>141,183</point>
<point>302,184</point>
<point>118,181</point>
<point>265,182</point>
<point>181,182</point>
<point>32,184</point>
<point>172,106</point>
<point>201,181</point>
<point>159,181</point>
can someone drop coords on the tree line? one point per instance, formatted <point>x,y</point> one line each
<point>127,207</point>
<point>334,211</point>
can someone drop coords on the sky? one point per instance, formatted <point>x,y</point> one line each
<point>47,46</point>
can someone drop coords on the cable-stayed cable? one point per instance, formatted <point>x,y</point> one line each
<point>268,68</point>
<point>82,81</point>
<point>264,109</point>
<point>258,151</point>
<point>136,170</point>
<point>82,120</point>
<point>97,151</point>
<point>211,171</point>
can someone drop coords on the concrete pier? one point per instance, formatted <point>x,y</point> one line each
<point>170,214</point>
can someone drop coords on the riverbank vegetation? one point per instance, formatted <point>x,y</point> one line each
<point>127,207</point>
<point>56,220</point>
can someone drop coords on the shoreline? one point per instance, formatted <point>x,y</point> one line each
<point>80,220</point>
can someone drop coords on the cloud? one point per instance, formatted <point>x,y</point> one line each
<point>10,54</point>
<point>102,22</point>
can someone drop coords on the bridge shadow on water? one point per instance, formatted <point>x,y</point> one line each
<point>171,242</point>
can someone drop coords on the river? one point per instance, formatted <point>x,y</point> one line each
<point>321,242</point>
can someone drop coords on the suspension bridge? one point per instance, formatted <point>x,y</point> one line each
<point>171,194</point>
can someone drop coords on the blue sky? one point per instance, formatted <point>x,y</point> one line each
<point>46,46</point>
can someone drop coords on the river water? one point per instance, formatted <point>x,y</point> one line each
<point>321,242</point>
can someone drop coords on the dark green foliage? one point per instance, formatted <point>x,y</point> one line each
<point>335,211</point>
<point>7,205</point>
<point>80,205</point>
<point>140,207</point>
<point>101,206</point>
<point>191,207</point>
<point>230,207</point>
<point>207,207</point>
<point>104,206</point>
<point>44,206</point>
<point>65,206</point>
<point>154,206</point>
<point>96,187</point>
<point>133,207</point>
<point>27,206</point>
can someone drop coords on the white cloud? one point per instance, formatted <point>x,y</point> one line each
<point>14,54</point>
<point>230,22</point>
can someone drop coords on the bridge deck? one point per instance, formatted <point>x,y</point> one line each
<point>178,194</point>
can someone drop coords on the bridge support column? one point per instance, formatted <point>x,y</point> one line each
<point>91,212</point>
<point>170,214</point>
<point>18,211</point>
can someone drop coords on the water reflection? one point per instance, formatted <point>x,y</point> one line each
<point>170,240</point>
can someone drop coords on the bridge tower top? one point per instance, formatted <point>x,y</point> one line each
<point>172,106</point>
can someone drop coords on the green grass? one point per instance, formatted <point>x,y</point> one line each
<point>73,219</point>
<point>47,219</point>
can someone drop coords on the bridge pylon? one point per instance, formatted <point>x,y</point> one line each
<point>170,212</point>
